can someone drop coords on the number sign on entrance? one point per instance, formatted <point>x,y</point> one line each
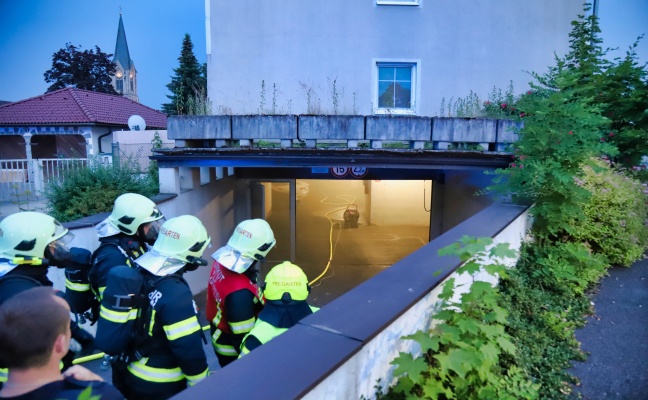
<point>356,172</point>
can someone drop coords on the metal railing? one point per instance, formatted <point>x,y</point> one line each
<point>20,178</point>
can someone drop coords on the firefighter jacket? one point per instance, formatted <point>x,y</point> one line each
<point>172,354</point>
<point>275,318</point>
<point>84,290</point>
<point>233,303</point>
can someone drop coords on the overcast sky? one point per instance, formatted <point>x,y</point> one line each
<point>31,31</point>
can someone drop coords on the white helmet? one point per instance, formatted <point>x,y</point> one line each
<point>33,234</point>
<point>251,241</point>
<point>130,212</point>
<point>182,240</point>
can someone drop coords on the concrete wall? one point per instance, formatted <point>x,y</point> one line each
<point>358,376</point>
<point>302,46</point>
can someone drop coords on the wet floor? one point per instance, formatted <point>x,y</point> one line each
<point>321,232</point>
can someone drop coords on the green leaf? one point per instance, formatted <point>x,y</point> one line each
<point>490,352</point>
<point>425,339</point>
<point>448,290</point>
<point>506,345</point>
<point>412,367</point>
<point>457,360</point>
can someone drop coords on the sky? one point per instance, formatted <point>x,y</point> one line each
<point>31,31</point>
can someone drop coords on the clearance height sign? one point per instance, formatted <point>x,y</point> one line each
<point>343,172</point>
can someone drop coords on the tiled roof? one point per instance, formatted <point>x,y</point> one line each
<point>76,106</point>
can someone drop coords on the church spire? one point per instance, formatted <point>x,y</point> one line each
<point>121,47</point>
<point>125,78</point>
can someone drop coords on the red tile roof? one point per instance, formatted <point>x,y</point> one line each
<point>76,106</point>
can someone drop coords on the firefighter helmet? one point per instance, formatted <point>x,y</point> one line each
<point>286,278</point>
<point>251,241</point>
<point>182,241</point>
<point>30,234</point>
<point>131,212</point>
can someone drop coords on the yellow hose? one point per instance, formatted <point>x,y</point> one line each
<point>328,264</point>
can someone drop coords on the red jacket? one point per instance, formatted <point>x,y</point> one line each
<point>223,282</point>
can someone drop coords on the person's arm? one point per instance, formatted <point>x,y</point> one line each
<point>241,314</point>
<point>183,331</point>
<point>81,373</point>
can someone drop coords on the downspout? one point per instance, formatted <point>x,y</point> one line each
<point>103,136</point>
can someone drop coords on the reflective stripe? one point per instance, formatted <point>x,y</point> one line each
<point>152,323</point>
<point>217,318</point>
<point>215,336</point>
<point>118,317</point>
<point>242,326</point>
<point>225,349</point>
<point>101,290</point>
<point>193,379</point>
<point>77,287</point>
<point>221,348</point>
<point>182,328</point>
<point>4,374</point>
<point>152,374</point>
<point>244,351</point>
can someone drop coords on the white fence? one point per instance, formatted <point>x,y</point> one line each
<point>27,178</point>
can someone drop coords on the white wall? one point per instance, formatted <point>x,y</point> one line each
<point>400,202</point>
<point>461,45</point>
<point>136,137</point>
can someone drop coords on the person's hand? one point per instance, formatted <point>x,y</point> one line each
<point>81,374</point>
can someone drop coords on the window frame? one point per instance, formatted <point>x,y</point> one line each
<point>415,83</point>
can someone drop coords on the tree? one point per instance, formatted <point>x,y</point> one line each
<point>188,84</point>
<point>87,69</point>
<point>619,88</point>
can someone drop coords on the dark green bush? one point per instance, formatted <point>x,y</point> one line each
<point>92,190</point>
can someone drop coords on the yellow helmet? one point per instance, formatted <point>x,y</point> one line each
<point>286,278</point>
<point>253,238</point>
<point>182,240</point>
<point>131,211</point>
<point>29,233</point>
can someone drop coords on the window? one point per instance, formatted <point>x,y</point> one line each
<point>398,2</point>
<point>396,87</point>
<point>120,85</point>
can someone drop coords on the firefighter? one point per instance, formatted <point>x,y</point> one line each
<point>134,222</point>
<point>170,357</point>
<point>285,291</point>
<point>30,242</point>
<point>233,296</point>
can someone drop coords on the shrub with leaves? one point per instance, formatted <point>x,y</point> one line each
<point>91,190</point>
<point>462,355</point>
<point>616,215</point>
<point>542,320</point>
<point>561,133</point>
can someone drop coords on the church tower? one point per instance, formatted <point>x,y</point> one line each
<point>125,79</point>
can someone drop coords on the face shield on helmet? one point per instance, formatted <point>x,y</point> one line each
<point>251,241</point>
<point>32,234</point>
<point>182,241</point>
<point>130,212</point>
<point>286,278</point>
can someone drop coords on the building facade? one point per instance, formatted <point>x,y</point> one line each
<point>376,56</point>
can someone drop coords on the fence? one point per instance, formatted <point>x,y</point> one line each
<point>135,154</point>
<point>28,178</point>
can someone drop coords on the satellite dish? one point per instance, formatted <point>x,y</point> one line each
<point>136,123</point>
